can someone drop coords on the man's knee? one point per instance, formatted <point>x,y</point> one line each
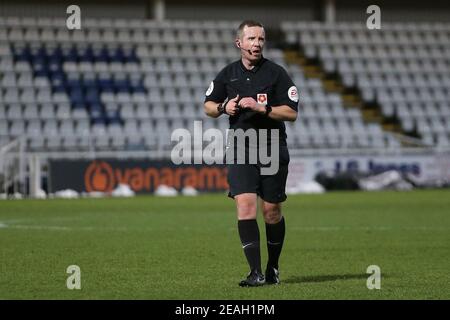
<point>272,212</point>
<point>246,206</point>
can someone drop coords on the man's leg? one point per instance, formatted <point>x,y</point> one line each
<point>246,204</point>
<point>275,231</point>
<point>243,180</point>
<point>273,193</point>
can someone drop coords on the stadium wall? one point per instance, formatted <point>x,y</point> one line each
<point>145,175</point>
<point>52,8</point>
<point>270,13</point>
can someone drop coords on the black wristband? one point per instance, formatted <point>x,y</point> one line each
<point>221,108</point>
<point>268,110</point>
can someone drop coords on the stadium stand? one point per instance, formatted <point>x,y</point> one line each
<point>403,69</point>
<point>126,84</point>
<point>120,84</point>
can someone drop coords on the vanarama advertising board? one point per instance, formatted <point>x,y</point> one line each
<point>142,176</point>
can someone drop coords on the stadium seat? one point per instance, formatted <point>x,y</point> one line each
<point>151,76</point>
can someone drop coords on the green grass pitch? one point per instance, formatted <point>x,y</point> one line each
<point>188,247</point>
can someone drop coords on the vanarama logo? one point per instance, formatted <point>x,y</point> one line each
<point>99,177</point>
<point>103,176</point>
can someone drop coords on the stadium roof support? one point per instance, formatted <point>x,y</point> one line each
<point>329,11</point>
<point>159,10</point>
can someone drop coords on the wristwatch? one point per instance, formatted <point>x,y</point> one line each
<point>268,110</point>
<point>221,108</point>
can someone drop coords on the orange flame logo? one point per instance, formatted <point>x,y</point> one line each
<point>99,177</point>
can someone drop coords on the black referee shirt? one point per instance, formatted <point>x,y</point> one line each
<point>267,83</point>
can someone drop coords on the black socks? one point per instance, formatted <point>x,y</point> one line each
<point>275,237</point>
<point>249,234</point>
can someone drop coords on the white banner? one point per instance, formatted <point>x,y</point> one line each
<point>423,167</point>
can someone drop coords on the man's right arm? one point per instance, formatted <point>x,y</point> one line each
<point>210,108</point>
<point>230,107</point>
<point>215,95</point>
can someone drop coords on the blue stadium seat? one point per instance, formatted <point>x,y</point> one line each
<point>85,54</point>
<point>77,96</point>
<point>92,96</point>
<point>69,53</point>
<point>100,54</point>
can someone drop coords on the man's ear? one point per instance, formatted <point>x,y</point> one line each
<point>238,43</point>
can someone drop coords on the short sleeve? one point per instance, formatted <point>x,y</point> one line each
<point>216,91</point>
<point>286,93</point>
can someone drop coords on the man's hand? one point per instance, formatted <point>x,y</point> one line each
<point>250,103</point>
<point>231,107</point>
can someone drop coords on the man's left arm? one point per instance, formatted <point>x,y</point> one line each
<point>280,113</point>
<point>285,99</point>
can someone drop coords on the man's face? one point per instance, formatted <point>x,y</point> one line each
<point>252,42</point>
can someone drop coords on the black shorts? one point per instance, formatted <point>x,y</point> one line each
<point>247,178</point>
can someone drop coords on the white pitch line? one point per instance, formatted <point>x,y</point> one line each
<point>25,227</point>
<point>298,229</point>
<point>376,228</point>
<point>63,228</point>
<point>379,228</point>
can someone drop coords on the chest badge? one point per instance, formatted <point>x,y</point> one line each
<point>262,98</point>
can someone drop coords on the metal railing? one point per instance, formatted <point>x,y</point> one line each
<point>12,167</point>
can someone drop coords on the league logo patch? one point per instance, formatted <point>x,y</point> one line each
<point>293,94</point>
<point>262,98</point>
<point>210,89</point>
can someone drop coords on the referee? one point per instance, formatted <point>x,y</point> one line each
<point>255,93</point>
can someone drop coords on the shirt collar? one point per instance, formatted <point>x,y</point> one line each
<point>255,68</point>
